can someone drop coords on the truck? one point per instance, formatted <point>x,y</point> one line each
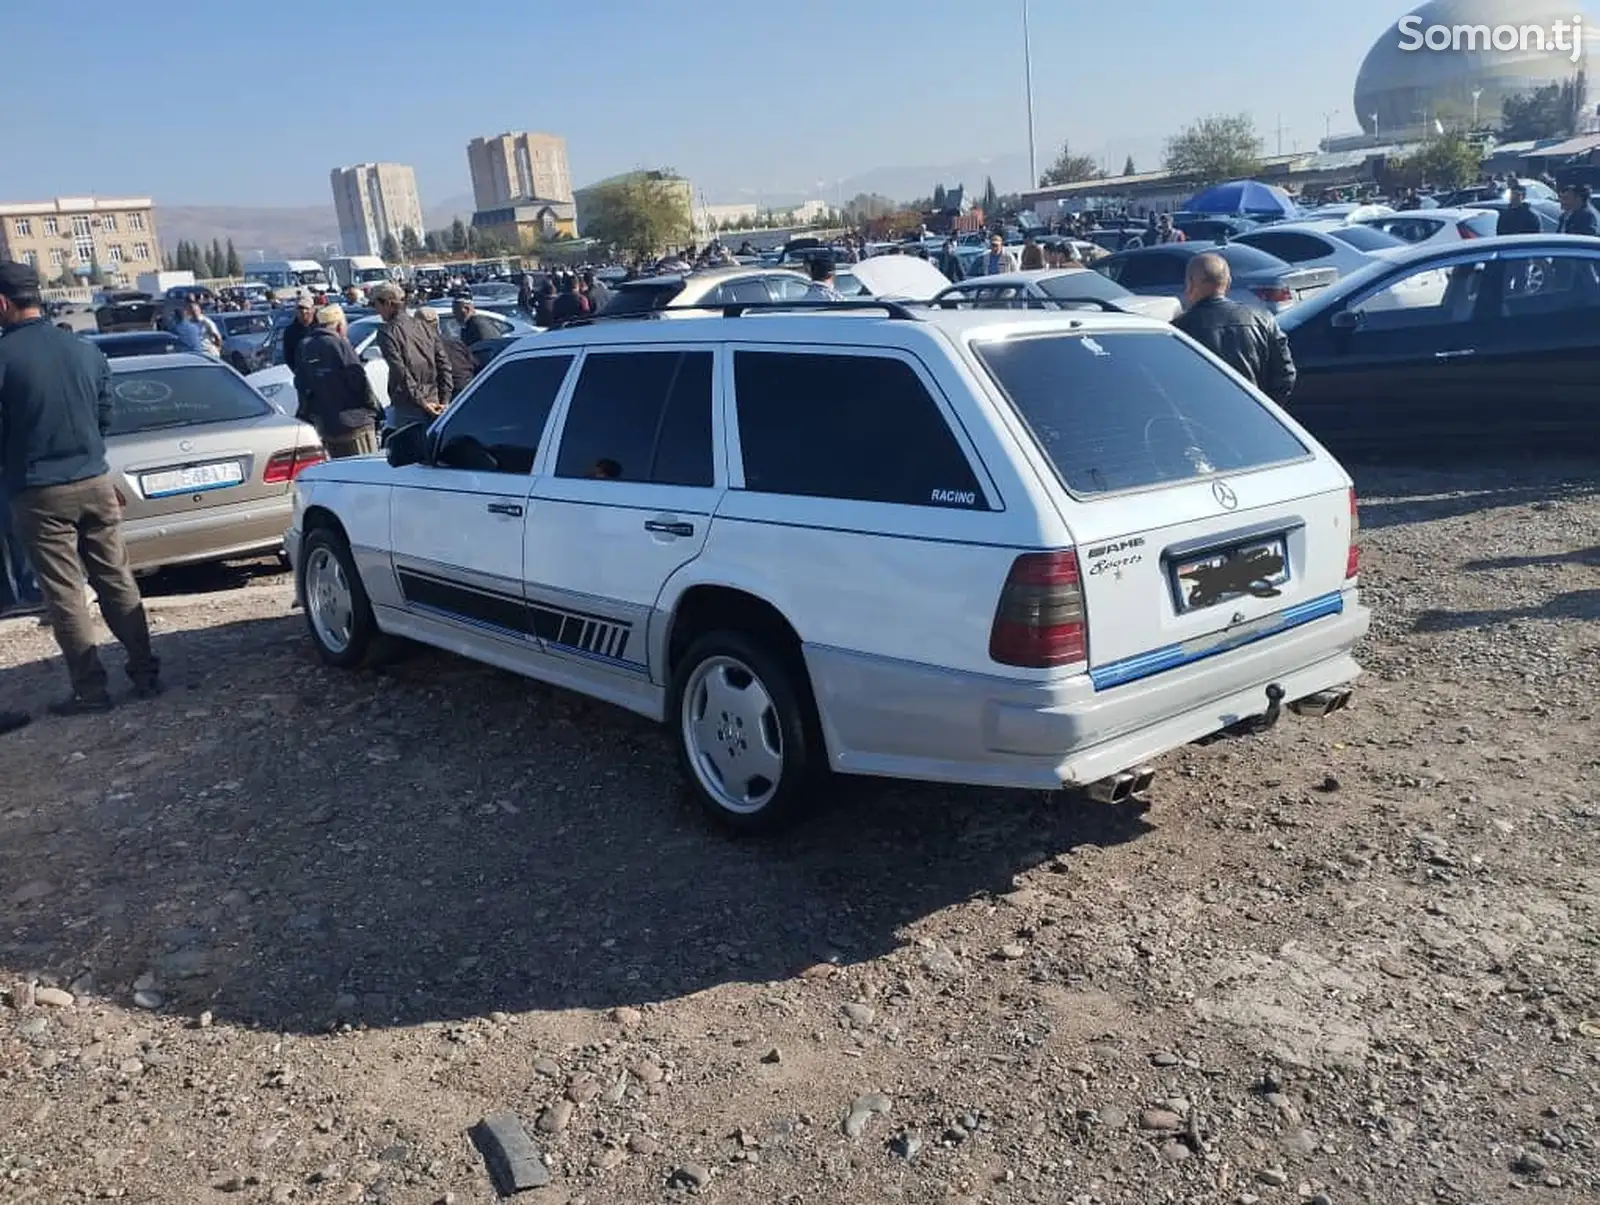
<point>358,270</point>
<point>157,283</point>
<point>287,277</point>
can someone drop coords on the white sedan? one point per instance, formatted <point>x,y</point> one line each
<point>276,384</point>
<point>1064,288</point>
<point>1419,226</point>
<point>1329,244</point>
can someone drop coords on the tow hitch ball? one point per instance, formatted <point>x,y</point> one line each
<point>1274,712</point>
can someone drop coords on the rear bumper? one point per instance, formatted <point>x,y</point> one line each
<point>914,721</point>
<point>214,534</point>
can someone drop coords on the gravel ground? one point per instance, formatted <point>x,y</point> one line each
<point>286,935</point>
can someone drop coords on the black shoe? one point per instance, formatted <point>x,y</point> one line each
<point>82,705</point>
<point>10,721</point>
<point>146,688</point>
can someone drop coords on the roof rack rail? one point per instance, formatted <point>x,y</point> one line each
<point>899,311</point>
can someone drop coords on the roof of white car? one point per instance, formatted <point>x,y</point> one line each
<point>171,359</point>
<point>821,328</point>
<point>1444,215</point>
<point>1031,276</point>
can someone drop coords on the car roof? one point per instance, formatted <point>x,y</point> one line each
<point>1312,227</point>
<point>1030,276</point>
<point>820,329</point>
<point>1464,211</point>
<point>173,359</point>
<point>130,336</point>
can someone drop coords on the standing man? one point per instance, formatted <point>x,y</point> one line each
<point>996,260</point>
<point>420,381</point>
<point>820,269</point>
<point>335,396</point>
<point>1248,341</point>
<point>569,303</point>
<point>599,295</point>
<point>55,405</point>
<point>475,328</point>
<point>1577,215</point>
<point>1032,254</point>
<point>198,332</point>
<point>1516,217</point>
<point>305,314</point>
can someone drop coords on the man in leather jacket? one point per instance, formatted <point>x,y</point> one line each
<point>1247,340</point>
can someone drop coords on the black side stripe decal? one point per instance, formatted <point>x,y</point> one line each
<point>597,635</point>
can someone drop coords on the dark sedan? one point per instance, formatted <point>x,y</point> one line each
<point>1487,343</point>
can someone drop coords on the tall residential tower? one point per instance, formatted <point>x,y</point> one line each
<point>375,200</point>
<point>518,167</point>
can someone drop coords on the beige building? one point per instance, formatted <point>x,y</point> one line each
<point>70,235</point>
<point>527,224</point>
<point>373,201</point>
<point>518,167</point>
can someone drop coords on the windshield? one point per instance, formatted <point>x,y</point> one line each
<point>153,344</point>
<point>1072,285</point>
<point>368,276</point>
<point>363,330</point>
<point>245,324</point>
<point>179,397</point>
<point>1364,238</point>
<point>1249,259</point>
<point>642,299</point>
<point>1131,409</point>
<point>273,280</point>
<point>312,280</point>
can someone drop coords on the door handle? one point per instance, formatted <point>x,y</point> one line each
<point>669,528</point>
<point>505,508</point>
<point>1455,355</point>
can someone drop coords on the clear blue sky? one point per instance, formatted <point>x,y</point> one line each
<point>237,103</point>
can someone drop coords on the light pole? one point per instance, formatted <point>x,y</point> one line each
<point>1027,71</point>
<point>1476,93</point>
<point>1327,124</point>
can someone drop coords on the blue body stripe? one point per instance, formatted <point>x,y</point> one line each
<point>1157,661</point>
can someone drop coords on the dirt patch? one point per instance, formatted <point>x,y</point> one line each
<point>287,935</point>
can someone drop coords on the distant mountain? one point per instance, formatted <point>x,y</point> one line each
<point>273,232</point>
<point>440,215</point>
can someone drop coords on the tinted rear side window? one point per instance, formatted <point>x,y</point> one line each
<point>641,416</point>
<point>1128,410</point>
<point>178,397</point>
<point>858,427</point>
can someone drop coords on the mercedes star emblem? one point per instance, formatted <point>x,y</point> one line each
<point>186,445</point>
<point>1225,497</point>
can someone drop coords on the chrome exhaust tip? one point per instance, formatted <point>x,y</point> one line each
<point>1113,789</point>
<point>1323,703</point>
<point>1143,776</point>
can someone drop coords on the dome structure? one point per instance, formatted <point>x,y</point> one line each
<point>1416,74</point>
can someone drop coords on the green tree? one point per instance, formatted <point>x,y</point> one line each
<point>433,243</point>
<point>390,249</point>
<point>1553,111</point>
<point>1216,148</point>
<point>1127,166</point>
<point>474,239</point>
<point>458,235</point>
<point>1448,161</point>
<point>640,214</point>
<point>219,259</point>
<point>991,199</point>
<point>1067,169</point>
<point>231,262</point>
<point>410,244</point>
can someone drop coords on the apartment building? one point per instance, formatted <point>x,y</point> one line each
<point>518,167</point>
<point>70,236</point>
<point>374,201</point>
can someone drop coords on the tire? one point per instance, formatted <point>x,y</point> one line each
<point>777,725</point>
<point>347,636</point>
<point>239,365</point>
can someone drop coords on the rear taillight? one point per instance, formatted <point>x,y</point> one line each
<point>1039,620</point>
<point>1465,230</point>
<point>1352,559</point>
<point>286,466</point>
<point>1278,295</point>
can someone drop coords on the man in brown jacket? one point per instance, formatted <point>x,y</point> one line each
<point>420,381</point>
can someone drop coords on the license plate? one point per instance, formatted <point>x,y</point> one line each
<point>193,479</point>
<point>1257,568</point>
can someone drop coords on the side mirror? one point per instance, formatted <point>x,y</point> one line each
<point>408,445</point>
<point>1346,320</point>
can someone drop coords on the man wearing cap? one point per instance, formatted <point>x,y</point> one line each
<point>420,381</point>
<point>335,396</point>
<point>55,406</point>
<point>305,316</point>
<point>475,328</point>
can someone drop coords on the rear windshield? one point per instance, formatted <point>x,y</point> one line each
<point>246,324</point>
<point>178,397</point>
<point>1365,238</point>
<point>1133,409</point>
<point>642,299</point>
<point>1083,283</point>
<point>1248,259</point>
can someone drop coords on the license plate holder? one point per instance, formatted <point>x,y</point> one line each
<point>192,479</point>
<point>1258,567</point>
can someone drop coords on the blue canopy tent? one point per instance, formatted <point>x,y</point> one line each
<point>1246,198</point>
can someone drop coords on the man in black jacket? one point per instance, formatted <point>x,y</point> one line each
<point>1577,215</point>
<point>335,397</point>
<point>1516,217</point>
<point>55,406</point>
<point>1247,340</point>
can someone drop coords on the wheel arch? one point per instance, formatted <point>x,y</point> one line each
<point>706,606</point>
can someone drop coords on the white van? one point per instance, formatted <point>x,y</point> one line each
<point>358,270</point>
<point>286,277</point>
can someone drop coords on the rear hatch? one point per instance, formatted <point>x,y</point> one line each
<point>195,436</point>
<point>1200,520</point>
